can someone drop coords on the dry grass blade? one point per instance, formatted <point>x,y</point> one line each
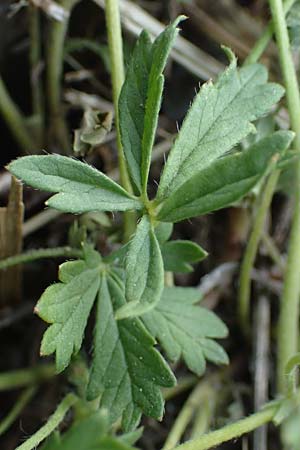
<point>261,375</point>
<point>210,26</point>
<point>11,221</point>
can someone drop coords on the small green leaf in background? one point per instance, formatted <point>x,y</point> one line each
<point>218,119</point>
<point>144,272</point>
<point>133,436</point>
<point>94,128</point>
<point>225,181</point>
<point>291,430</point>
<point>112,443</point>
<point>186,330</point>
<point>293,23</point>
<point>285,410</point>
<point>265,126</point>
<point>140,101</point>
<point>84,435</point>
<point>178,255</point>
<point>288,160</point>
<point>67,305</point>
<point>53,442</point>
<point>126,370</point>
<point>91,433</point>
<point>80,188</point>
<point>163,232</point>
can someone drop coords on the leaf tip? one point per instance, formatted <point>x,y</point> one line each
<point>180,18</point>
<point>290,135</point>
<point>229,53</point>
<point>11,167</point>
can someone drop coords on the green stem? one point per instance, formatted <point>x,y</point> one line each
<point>231,431</point>
<point>265,38</point>
<point>204,415</point>
<point>196,398</point>
<point>288,331</point>
<point>41,253</point>
<point>251,250</point>
<point>114,34</point>
<point>260,218</point>
<point>26,377</point>
<point>55,60</point>
<point>35,60</point>
<point>16,410</point>
<point>15,120</point>
<point>51,424</point>
<point>273,251</point>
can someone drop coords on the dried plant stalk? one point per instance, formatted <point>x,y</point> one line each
<point>11,221</point>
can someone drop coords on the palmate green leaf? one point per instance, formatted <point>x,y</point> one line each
<point>140,100</point>
<point>225,181</point>
<point>80,188</point>
<point>218,119</point>
<point>126,371</point>
<point>144,272</point>
<point>186,330</point>
<point>178,255</point>
<point>67,305</point>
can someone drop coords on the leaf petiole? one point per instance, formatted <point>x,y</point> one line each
<point>53,422</point>
<point>41,253</point>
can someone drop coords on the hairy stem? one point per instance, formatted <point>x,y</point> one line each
<point>51,424</point>
<point>205,414</point>
<point>26,377</point>
<point>41,253</point>
<point>251,250</point>
<point>288,330</point>
<point>16,410</point>
<point>198,395</point>
<point>231,431</point>
<point>114,34</point>
<point>15,120</point>
<point>55,60</point>
<point>265,38</point>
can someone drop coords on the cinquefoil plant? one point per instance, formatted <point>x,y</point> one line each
<point>202,174</point>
